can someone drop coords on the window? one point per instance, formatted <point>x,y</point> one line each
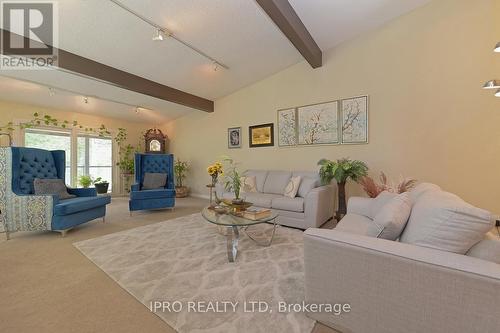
<point>95,158</point>
<point>51,140</point>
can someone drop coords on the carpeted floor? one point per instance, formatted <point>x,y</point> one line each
<point>47,285</point>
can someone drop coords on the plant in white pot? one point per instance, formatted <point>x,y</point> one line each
<point>181,169</point>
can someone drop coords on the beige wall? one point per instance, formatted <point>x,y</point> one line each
<point>429,119</point>
<point>15,112</point>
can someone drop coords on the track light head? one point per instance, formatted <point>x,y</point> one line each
<point>52,92</point>
<point>158,35</point>
<point>85,99</point>
<point>492,84</point>
<point>216,65</point>
<point>497,48</point>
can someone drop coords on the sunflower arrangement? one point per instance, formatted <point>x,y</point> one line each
<point>214,171</point>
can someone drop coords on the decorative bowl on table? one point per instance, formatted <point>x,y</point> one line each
<point>237,207</point>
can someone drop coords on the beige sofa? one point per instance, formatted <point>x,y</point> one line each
<point>312,207</point>
<point>398,286</point>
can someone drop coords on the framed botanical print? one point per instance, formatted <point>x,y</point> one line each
<point>354,119</point>
<point>318,124</point>
<point>287,127</point>
<point>234,137</point>
<point>261,135</point>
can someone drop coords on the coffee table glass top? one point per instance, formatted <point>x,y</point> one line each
<point>229,220</point>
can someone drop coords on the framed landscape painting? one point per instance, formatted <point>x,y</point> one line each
<point>354,114</point>
<point>287,127</point>
<point>318,124</point>
<point>261,135</point>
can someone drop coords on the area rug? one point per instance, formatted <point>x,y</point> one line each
<point>182,264</point>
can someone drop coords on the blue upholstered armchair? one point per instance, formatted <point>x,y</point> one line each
<point>21,210</point>
<point>141,199</point>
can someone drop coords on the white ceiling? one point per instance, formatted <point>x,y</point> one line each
<point>235,32</point>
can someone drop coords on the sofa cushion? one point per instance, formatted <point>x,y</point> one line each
<point>380,201</point>
<point>422,188</point>
<point>488,249</point>
<point>293,187</point>
<point>80,204</point>
<point>442,221</point>
<point>52,186</point>
<point>260,178</point>
<point>248,184</point>
<point>154,181</point>
<point>152,194</point>
<point>393,216</point>
<point>291,204</point>
<point>306,185</point>
<point>261,199</point>
<point>358,225</point>
<point>276,182</point>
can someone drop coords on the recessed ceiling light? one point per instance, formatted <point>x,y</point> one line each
<point>497,48</point>
<point>158,36</point>
<point>492,84</point>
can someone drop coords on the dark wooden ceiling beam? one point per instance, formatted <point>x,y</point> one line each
<point>74,63</point>
<point>287,20</point>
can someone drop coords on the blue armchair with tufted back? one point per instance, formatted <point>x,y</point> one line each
<point>22,210</point>
<point>152,199</point>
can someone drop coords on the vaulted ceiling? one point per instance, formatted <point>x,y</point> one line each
<point>237,33</point>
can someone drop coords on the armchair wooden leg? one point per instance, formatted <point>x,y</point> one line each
<point>63,233</point>
<point>7,235</point>
<point>104,219</point>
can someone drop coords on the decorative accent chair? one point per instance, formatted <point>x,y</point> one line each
<point>164,197</point>
<point>22,210</point>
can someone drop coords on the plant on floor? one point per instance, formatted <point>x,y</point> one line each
<point>101,185</point>
<point>341,170</point>
<point>232,179</point>
<point>373,189</point>
<point>85,181</point>
<point>180,170</point>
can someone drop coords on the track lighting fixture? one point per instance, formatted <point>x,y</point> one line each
<point>494,84</point>
<point>497,48</point>
<point>137,109</point>
<point>85,100</point>
<point>52,92</point>
<point>159,35</point>
<point>216,65</point>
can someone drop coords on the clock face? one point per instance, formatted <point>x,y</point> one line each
<point>154,145</point>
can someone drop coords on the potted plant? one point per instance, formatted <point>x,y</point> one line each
<point>341,170</point>
<point>85,181</point>
<point>180,170</point>
<point>101,185</point>
<point>233,181</point>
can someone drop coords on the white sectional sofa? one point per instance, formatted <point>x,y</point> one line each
<point>438,277</point>
<point>312,207</point>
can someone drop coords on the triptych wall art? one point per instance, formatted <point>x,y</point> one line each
<point>338,122</point>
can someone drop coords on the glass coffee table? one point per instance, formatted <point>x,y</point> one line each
<point>233,225</point>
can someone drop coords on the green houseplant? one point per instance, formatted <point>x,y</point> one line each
<point>180,170</point>
<point>341,170</point>
<point>232,179</point>
<point>101,185</point>
<point>85,181</point>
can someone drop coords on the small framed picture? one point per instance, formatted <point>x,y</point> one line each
<point>261,135</point>
<point>354,115</point>
<point>234,137</point>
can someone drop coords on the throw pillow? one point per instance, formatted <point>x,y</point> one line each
<point>306,185</point>
<point>380,201</point>
<point>442,221</point>
<point>488,249</point>
<point>293,187</point>
<point>153,181</point>
<point>52,187</point>
<point>393,216</point>
<point>248,184</point>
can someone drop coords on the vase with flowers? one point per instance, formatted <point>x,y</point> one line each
<point>214,171</point>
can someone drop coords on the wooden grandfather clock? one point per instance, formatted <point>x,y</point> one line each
<point>155,141</point>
